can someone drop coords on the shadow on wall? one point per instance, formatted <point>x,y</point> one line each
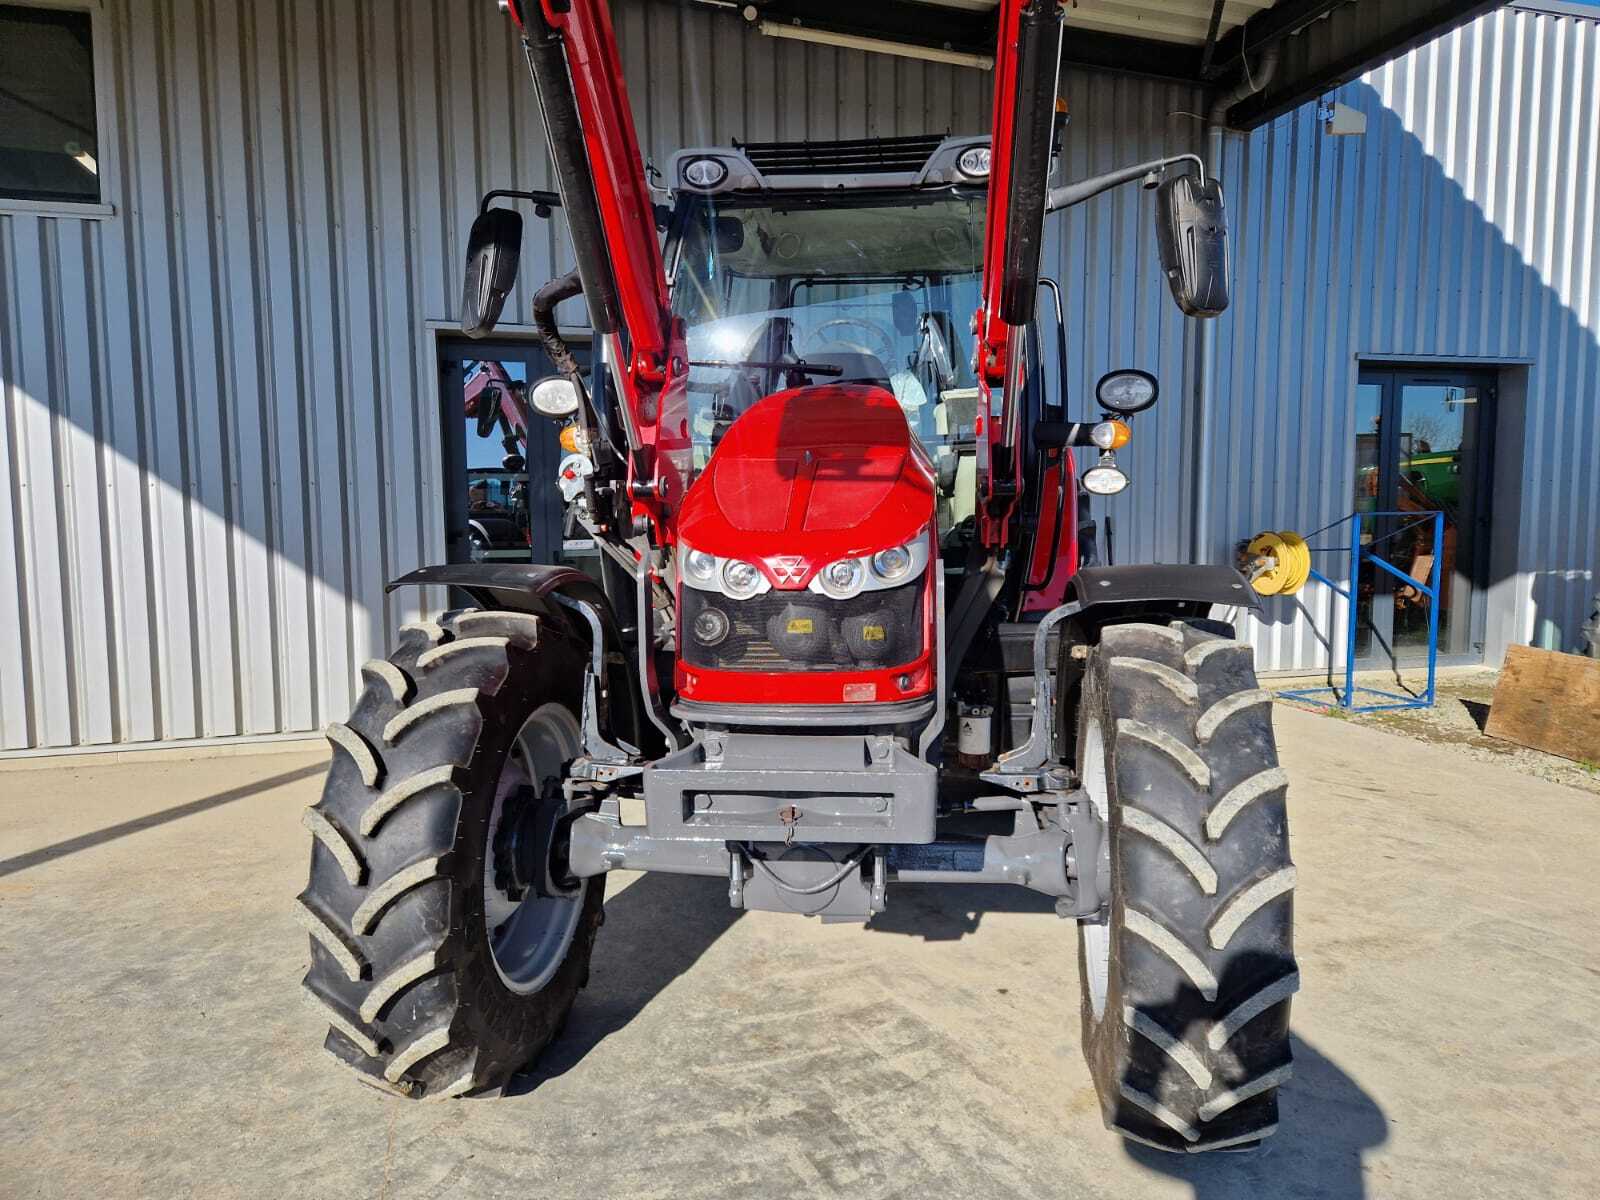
<point>1326,1123</point>
<point>1552,594</point>
<point>1406,266</point>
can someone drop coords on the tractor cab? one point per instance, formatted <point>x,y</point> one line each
<point>830,264</point>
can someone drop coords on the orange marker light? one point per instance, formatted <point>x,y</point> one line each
<point>572,439</point>
<point>1111,435</point>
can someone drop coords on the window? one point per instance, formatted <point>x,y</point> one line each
<point>49,145</point>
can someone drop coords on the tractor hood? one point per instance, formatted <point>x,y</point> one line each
<point>808,476</point>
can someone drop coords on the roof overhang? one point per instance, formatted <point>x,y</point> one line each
<point>1313,45</point>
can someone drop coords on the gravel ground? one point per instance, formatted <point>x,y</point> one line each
<point>1464,697</point>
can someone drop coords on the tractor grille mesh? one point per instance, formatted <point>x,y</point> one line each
<point>866,156</point>
<point>802,631</point>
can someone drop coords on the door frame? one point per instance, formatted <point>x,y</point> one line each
<point>450,348</point>
<point>1391,377</point>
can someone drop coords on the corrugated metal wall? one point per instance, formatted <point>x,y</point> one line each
<point>1462,225</point>
<point>220,404</point>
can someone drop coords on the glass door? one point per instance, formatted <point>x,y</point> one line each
<point>1419,451</point>
<point>500,461</point>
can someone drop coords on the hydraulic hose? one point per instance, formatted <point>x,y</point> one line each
<point>817,888</point>
<point>563,287</point>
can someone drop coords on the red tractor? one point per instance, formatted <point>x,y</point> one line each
<point>850,627</point>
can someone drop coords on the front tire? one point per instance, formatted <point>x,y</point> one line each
<point>1187,980</point>
<point>437,976</point>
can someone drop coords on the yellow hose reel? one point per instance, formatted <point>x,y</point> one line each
<point>1277,564</point>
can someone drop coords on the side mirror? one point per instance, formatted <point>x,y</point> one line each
<point>487,411</point>
<point>494,248</point>
<point>1192,232</point>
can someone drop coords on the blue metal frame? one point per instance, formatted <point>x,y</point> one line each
<point>1358,554</point>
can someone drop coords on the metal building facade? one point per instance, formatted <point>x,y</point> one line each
<point>220,399</point>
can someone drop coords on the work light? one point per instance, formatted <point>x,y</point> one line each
<point>705,172</point>
<point>1105,478</point>
<point>1126,392</point>
<point>974,162</point>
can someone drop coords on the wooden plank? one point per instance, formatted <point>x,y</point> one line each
<point>1548,701</point>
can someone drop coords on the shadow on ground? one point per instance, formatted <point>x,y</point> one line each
<point>1326,1124</point>
<point>1478,711</point>
<point>655,929</point>
<point>946,912</point>
<point>658,927</point>
<point>111,833</point>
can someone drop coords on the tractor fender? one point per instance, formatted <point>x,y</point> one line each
<point>1097,597</point>
<point>533,588</point>
<point>1152,583</point>
<point>519,587</point>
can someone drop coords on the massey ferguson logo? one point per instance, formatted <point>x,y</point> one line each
<point>787,569</point>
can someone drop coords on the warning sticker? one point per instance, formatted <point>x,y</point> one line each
<point>800,625</point>
<point>872,633</point>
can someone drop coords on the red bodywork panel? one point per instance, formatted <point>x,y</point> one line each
<point>812,687</point>
<point>805,477</point>
<point>1048,575</point>
<point>808,476</point>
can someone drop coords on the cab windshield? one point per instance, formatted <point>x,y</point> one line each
<point>781,291</point>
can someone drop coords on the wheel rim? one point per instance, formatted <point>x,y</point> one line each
<point>529,938</point>
<point>1096,935</point>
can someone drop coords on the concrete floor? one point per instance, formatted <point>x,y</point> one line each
<point>156,1045</point>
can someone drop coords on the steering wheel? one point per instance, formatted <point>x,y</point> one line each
<point>822,339</point>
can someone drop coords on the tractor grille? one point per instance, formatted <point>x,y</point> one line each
<point>866,156</point>
<point>802,631</point>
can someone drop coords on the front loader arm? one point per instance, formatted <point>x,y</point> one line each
<point>577,70</point>
<point>1027,57</point>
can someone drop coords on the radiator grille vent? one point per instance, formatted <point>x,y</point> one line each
<point>802,631</point>
<point>867,156</point>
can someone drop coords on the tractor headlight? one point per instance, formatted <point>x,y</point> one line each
<point>842,579</point>
<point>740,580</point>
<point>730,577</point>
<point>700,568</point>
<point>1105,478</point>
<point>710,626</point>
<point>892,565</point>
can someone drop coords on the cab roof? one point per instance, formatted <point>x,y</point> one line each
<point>899,163</point>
